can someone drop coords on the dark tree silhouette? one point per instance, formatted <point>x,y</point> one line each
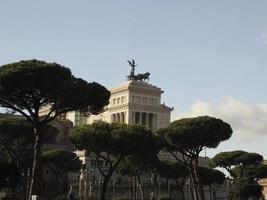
<point>245,169</point>
<point>189,136</point>
<point>236,162</point>
<point>112,143</point>
<point>30,85</point>
<point>245,189</point>
<point>175,171</point>
<point>211,177</point>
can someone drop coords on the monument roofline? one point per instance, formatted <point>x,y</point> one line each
<point>136,86</point>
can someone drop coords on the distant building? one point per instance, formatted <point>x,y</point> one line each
<point>132,102</point>
<point>263,182</point>
<point>135,102</point>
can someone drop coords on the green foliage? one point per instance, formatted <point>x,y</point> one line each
<point>252,171</point>
<point>237,163</point>
<point>16,139</point>
<point>6,169</point>
<point>245,169</point>
<point>135,165</point>
<point>24,81</point>
<point>113,143</point>
<point>119,140</point>
<point>260,171</point>
<point>245,189</point>
<point>62,160</point>
<point>140,142</point>
<point>32,84</point>
<point>171,170</point>
<point>189,136</point>
<point>29,85</point>
<point>225,159</point>
<point>210,176</point>
<point>192,133</point>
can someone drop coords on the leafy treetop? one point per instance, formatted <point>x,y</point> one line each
<point>237,163</point>
<point>192,135</point>
<point>29,85</point>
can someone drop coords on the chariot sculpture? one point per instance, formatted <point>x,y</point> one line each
<point>138,77</point>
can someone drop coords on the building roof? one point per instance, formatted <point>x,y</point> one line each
<point>134,85</point>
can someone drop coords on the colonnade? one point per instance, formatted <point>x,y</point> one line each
<point>142,118</point>
<point>145,119</point>
<point>119,117</point>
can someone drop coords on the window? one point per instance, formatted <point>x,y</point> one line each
<point>144,100</point>
<point>114,101</point>
<point>118,100</point>
<point>138,99</point>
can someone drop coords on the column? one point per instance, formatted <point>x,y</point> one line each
<point>150,121</point>
<point>147,120</point>
<point>155,121</point>
<point>143,119</point>
<point>122,117</point>
<point>81,183</point>
<point>132,118</point>
<point>137,118</point>
<point>126,115</point>
<point>85,185</point>
<point>118,117</point>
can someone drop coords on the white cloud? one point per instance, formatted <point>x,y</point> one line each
<point>263,38</point>
<point>247,121</point>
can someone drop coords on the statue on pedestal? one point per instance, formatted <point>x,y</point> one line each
<point>138,77</point>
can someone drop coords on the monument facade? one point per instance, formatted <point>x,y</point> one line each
<point>132,102</point>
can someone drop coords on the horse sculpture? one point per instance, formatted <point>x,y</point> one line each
<point>143,77</point>
<point>138,77</point>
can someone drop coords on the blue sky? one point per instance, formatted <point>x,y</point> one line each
<point>209,56</point>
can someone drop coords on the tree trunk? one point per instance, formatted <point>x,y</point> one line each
<point>169,188</point>
<point>193,183</point>
<point>107,178</point>
<point>105,184</point>
<point>141,189</point>
<point>191,190</point>
<point>36,161</point>
<point>181,189</point>
<point>198,181</point>
<point>210,191</point>
<point>183,195</point>
<point>214,193</point>
<point>28,183</point>
<point>130,186</point>
<point>197,186</point>
<point>135,191</point>
<point>104,188</point>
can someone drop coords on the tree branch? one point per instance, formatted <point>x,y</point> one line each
<point>5,147</point>
<point>8,105</point>
<point>50,118</point>
<point>99,168</point>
